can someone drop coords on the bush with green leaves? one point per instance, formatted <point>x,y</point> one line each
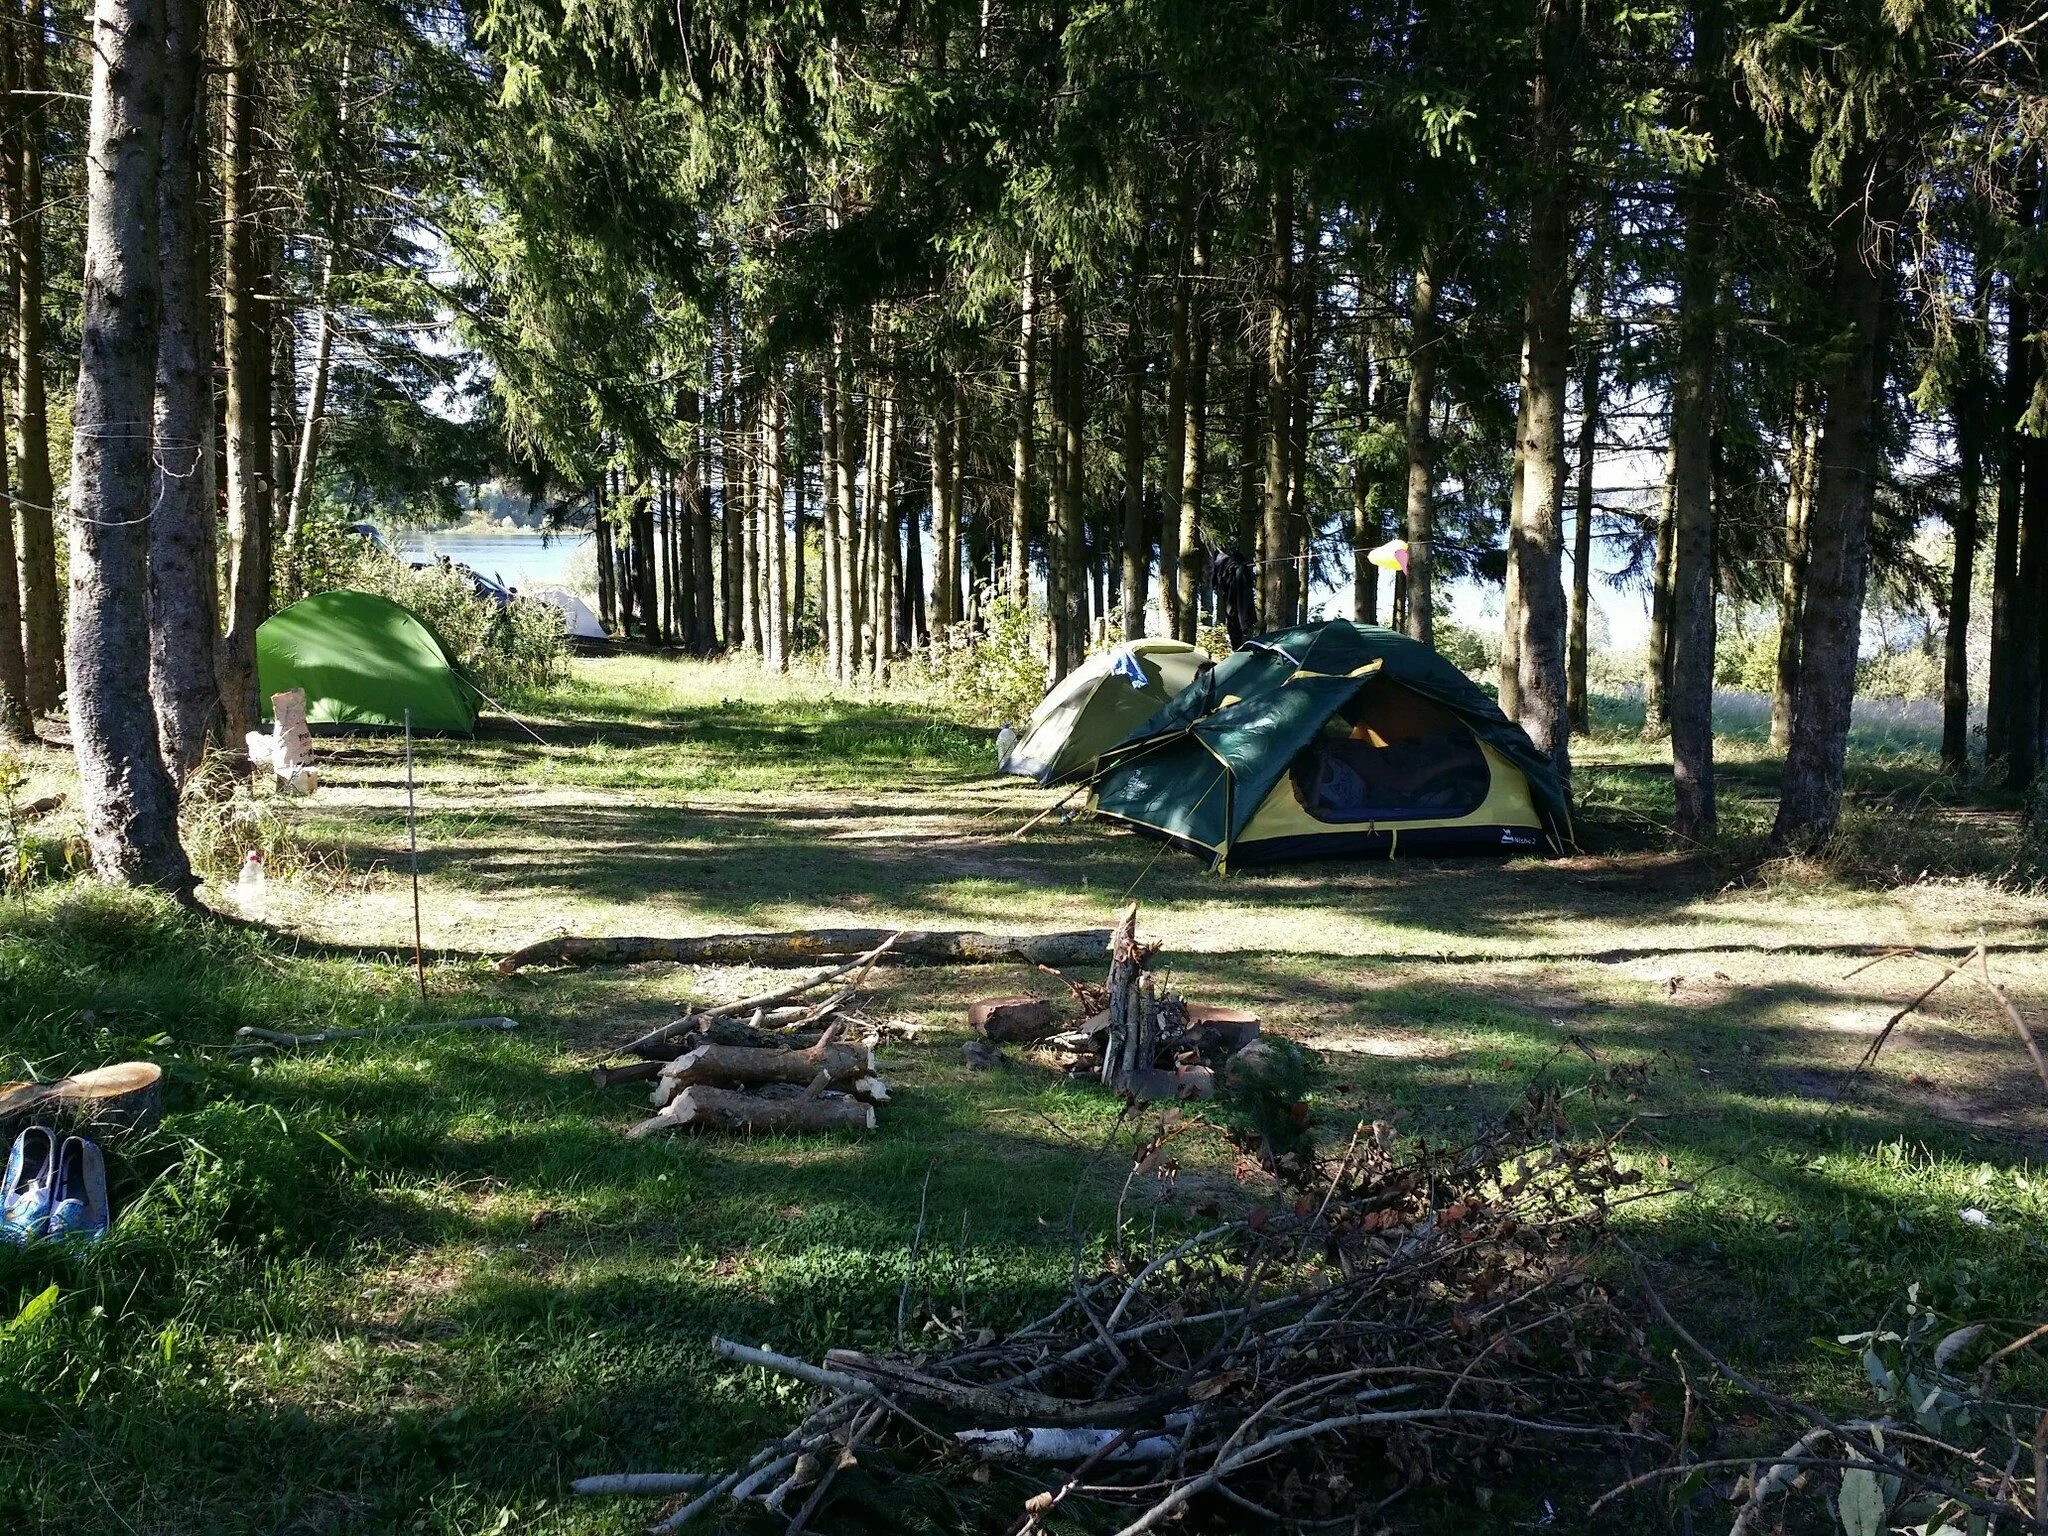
<point>504,650</point>
<point>997,677</point>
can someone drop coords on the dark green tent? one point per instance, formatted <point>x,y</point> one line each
<point>1334,738</point>
<point>363,661</point>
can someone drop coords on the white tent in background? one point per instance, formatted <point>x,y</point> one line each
<point>577,618</point>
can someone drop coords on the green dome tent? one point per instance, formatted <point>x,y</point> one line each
<point>1099,704</point>
<point>1334,738</point>
<point>363,660</point>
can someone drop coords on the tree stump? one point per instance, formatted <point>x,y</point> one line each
<point>124,1099</point>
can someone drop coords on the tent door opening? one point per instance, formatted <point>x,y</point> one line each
<point>1391,755</point>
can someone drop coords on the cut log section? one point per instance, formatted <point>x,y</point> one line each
<point>751,1066</point>
<point>938,947</point>
<point>704,1108</point>
<point>1013,1020</point>
<point>109,1101</point>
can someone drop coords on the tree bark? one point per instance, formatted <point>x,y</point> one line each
<point>1276,607</point>
<point>131,807</point>
<point>245,341</point>
<point>1967,413</point>
<point>1193,439</point>
<point>2001,725</point>
<point>808,947</point>
<point>1578,705</point>
<point>774,578</point>
<point>1657,645</point>
<point>1536,543</point>
<point>1136,534</point>
<point>16,723</point>
<point>1367,524</point>
<point>1799,467</point>
<point>697,493</point>
<point>1071,617</point>
<point>184,604</point>
<point>1026,407</point>
<point>315,423</point>
<point>1421,507</point>
<point>35,488</point>
<point>1693,409</point>
<point>1838,539</point>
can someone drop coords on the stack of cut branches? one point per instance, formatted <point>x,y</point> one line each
<point>1417,1318</point>
<point>767,1063</point>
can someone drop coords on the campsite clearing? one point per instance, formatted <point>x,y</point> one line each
<point>421,1282</point>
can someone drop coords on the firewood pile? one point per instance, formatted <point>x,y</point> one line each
<point>1135,1036</point>
<point>775,1062</point>
<point>1405,1318</point>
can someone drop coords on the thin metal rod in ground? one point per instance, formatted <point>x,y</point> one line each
<point>412,843</point>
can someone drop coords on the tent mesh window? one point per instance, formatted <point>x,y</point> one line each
<point>1391,755</point>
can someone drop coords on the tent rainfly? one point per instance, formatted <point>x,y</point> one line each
<point>578,622</point>
<point>1099,704</point>
<point>363,661</point>
<point>1334,738</point>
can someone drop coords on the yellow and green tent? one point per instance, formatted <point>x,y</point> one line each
<point>1334,738</point>
<point>1098,705</point>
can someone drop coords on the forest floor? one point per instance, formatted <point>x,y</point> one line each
<point>419,1284</point>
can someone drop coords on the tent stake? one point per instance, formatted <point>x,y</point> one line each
<point>412,843</point>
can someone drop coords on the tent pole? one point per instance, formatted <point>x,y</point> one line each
<point>412,843</point>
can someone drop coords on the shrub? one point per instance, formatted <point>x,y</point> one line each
<point>997,677</point>
<point>503,650</point>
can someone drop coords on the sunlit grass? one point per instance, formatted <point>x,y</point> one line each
<point>418,1284</point>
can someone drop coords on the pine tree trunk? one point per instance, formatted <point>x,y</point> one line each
<point>883,545</point>
<point>1067,550</point>
<point>1578,704</point>
<point>1276,607</point>
<point>1026,408</point>
<point>1692,520</point>
<point>1799,467</point>
<point>1304,347</point>
<point>916,620</point>
<point>1657,645</point>
<point>131,806</point>
<point>774,585</point>
<point>16,723</point>
<point>1193,439</point>
<point>2028,752</point>
<point>315,423</point>
<point>1968,416</point>
<point>1366,521</point>
<point>1536,543</point>
<point>184,605</point>
<point>946,605</point>
<point>42,602</point>
<point>697,495</point>
<point>832,516</point>
<point>1838,534</point>
<point>1174,424</point>
<point>1421,508</point>
<point>1509,672</point>
<point>646,556</point>
<point>2000,723</point>
<point>1136,532</point>
<point>246,342</point>
<point>844,513</point>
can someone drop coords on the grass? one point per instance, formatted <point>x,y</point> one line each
<point>419,1284</point>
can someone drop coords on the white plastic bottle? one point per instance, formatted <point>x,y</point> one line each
<point>250,883</point>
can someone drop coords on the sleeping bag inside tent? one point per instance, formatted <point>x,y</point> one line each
<point>363,661</point>
<point>1099,704</point>
<point>1334,739</point>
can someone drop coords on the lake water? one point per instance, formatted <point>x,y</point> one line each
<point>521,560</point>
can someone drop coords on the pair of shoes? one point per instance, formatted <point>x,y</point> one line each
<point>55,1190</point>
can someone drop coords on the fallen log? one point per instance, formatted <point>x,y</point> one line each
<point>605,1074</point>
<point>257,1040</point>
<point>126,1097</point>
<point>749,1066</point>
<point>704,1108</point>
<point>640,1484</point>
<point>936,947</point>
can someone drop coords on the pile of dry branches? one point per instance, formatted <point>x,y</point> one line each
<point>1415,1317</point>
<point>766,1063</point>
